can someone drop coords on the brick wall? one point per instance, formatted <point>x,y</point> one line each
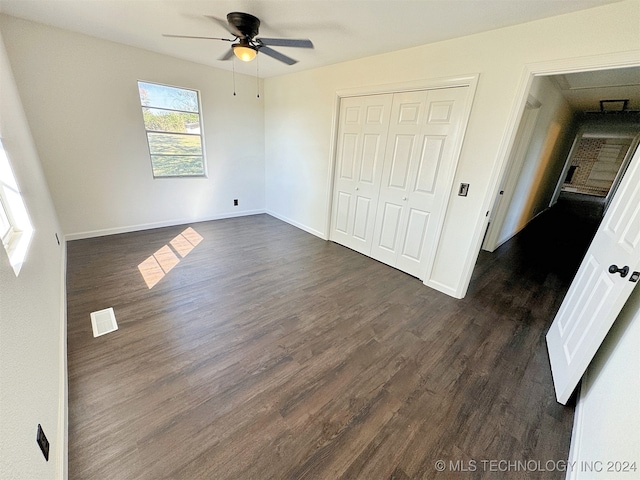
<point>585,156</point>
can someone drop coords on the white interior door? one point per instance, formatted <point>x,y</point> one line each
<point>496,234</point>
<point>418,168</point>
<point>362,138</point>
<point>597,294</point>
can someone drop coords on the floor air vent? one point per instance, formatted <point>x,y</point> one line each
<point>103,321</point>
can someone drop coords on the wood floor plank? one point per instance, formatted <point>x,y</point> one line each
<point>261,352</point>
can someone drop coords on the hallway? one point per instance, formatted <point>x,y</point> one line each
<point>552,246</point>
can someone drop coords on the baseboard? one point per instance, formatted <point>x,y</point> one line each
<point>576,434</point>
<point>149,226</point>
<point>63,389</point>
<point>441,287</point>
<point>301,226</point>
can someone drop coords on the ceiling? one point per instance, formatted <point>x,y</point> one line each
<point>341,30</point>
<point>585,90</point>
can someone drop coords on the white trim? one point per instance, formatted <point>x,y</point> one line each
<point>63,382</point>
<point>553,67</point>
<point>576,434</point>
<point>149,226</point>
<point>466,116</point>
<point>17,240</point>
<point>333,146</point>
<point>441,287</point>
<point>425,84</point>
<point>592,63</point>
<point>299,225</point>
<point>5,237</point>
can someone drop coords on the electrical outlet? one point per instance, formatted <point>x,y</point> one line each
<point>41,438</point>
<point>235,202</point>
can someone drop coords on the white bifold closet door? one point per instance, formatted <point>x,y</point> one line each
<point>362,140</point>
<point>395,161</point>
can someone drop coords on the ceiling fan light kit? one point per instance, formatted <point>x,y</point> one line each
<point>245,53</point>
<point>244,28</point>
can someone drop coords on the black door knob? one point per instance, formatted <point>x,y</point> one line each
<point>622,271</point>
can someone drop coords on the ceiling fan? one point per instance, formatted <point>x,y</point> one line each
<point>244,28</point>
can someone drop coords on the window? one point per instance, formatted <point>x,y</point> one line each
<point>15,227</point>
<point>173,125</point>
<point>6,229</point>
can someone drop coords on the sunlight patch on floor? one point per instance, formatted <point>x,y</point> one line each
<point>191,235</point>
<point>155,267</point>
<point>166,258</point>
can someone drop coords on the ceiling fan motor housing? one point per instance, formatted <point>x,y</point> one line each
<point>245,23</point>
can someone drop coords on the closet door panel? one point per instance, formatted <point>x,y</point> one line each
<point>417,175</point>
<point>362,137</point>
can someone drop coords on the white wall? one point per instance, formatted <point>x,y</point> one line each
<point>32,318</point>
<point>81,98</point>
<point>299,115</point>
<point>544,160</point>
<point>607,422</point>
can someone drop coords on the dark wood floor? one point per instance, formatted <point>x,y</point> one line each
<point>267,353</point>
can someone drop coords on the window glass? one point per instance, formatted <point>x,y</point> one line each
<point>5,225</point>
<point>15,227</point>
<point>174,130</point>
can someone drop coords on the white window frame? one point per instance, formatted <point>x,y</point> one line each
<point>5,220</point>
<point>17,237</point>
<point>200,135</point>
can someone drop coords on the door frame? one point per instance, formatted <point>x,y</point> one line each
<point>470,81</point>
<point>546,68</point>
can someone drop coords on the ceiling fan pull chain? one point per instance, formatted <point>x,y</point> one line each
<point>233,63</point>
<point>258,77</point>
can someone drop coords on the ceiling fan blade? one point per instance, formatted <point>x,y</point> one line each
<point>227,26</point>
<point>277,55</point>
<point>190,36</point>
<point>286,42</point>
<point>227,56</point>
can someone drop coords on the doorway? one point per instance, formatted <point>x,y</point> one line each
<point>598,145</point>
<point>574,153</point>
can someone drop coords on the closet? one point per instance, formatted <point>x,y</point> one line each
<point>396,156</point>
